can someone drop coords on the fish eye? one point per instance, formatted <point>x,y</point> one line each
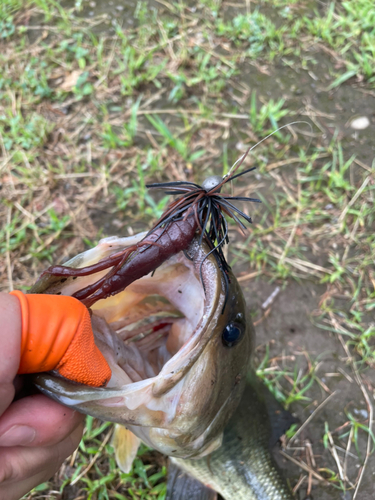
<point>232,334</point>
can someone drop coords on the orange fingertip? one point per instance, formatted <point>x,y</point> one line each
<point>57,335</point>
<point>48,327</point>
<point>91,369</point>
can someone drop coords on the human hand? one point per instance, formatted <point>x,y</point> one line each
<point>36,434</point>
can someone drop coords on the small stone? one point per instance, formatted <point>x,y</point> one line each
<point>360,123</point>
<point>117,223</point>
<point>346,495</point>
<point>361,413</point>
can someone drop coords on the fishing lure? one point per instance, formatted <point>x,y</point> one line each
<point>197,208</point>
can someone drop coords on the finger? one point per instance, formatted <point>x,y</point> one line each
<point>57,334</point>
<point>7,392</point>
<point>21,469</point>
<point>10,336</point>
<point>10,346</point>
<point>37,421</point>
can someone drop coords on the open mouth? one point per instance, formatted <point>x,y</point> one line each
<point>151,334</point>
<point>142,328</point>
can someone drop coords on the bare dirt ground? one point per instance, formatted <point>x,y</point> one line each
<point>289,331</point>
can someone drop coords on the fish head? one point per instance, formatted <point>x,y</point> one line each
<point>179,345</point>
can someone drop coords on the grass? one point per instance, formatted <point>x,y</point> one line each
<point>96,472</point>
<point>299,382</point>
<point>349,29</point>
<point>90,111</point>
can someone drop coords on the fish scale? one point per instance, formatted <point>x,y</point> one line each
<point>243,468</point>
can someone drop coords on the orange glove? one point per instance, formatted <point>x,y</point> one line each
<point>57,335</point>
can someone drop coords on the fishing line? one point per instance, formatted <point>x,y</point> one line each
<point>264,139</point>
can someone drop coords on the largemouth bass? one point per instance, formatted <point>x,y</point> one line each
<point>178,350</point>
<point>180,353</point>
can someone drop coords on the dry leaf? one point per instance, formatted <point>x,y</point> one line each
<point>70,80</point>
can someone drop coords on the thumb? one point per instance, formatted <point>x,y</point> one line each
<point>10,342</point>
<point>57,335</point>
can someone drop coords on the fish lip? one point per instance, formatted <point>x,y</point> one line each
<point>74,394</point>
<point>212,302</point>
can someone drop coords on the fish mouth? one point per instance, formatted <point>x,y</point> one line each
<point>151,333</point>
<point>148,329</point>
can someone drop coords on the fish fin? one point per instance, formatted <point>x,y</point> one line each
<point>182,486</point>
<point>126,445</point>
<point>280,419</point>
